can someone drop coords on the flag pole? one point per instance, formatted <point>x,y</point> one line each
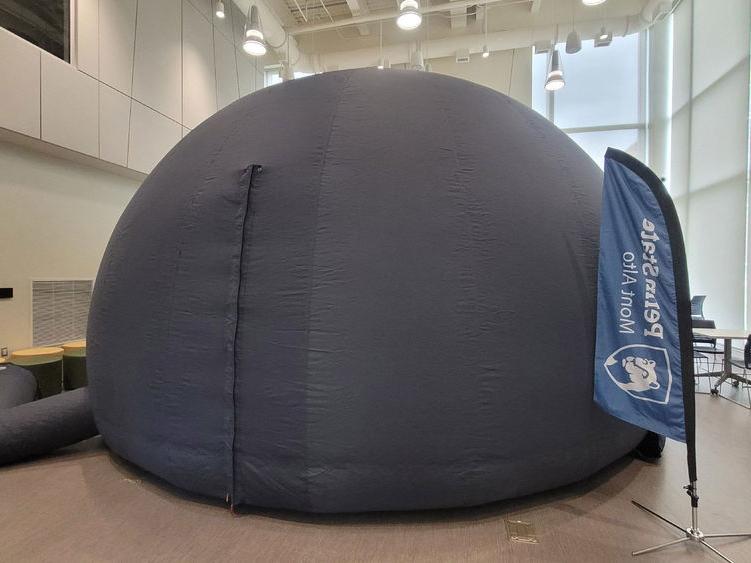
<point>683,301</point>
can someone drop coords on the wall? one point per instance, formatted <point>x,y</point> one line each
<point>509,72</point>
<point>143,74</point>
<point>55,220</point>
<point>699,138</point>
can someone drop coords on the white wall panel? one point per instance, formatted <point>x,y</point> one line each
<point>19,85</point>
<point>87,31</point>
<point>238,24</point>
<point>716,247</point>
<point>708,145</point>
<point>682,55</point>
<point>721,39</point>
<point>246,72</point>
<point>151,136</point>
<point>224,26</point>
<point>678,178</point>
<point>719,131</point>
<point>199,80</point>
<point>156,77</point>
<point>205,7</point>
<point>117,26</point>
<point>114,116</point>
<point>495,72</point>
<point>70,106</point>
<point>226,71</point>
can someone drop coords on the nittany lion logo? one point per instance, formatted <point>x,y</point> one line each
<point>641,371</point>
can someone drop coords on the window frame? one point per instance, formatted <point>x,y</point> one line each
<point>640,125</point>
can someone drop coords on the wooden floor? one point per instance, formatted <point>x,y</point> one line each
<point>85,505</point>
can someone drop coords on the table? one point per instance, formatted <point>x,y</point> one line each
<point>727,335</point>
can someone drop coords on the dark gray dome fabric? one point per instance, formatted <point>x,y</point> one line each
<point>396,312</point>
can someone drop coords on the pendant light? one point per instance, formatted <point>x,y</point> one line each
<point>255,43</point>
<point>409,15</point>
<point>381,62</point>
<point>417,62</point>
<point>604,38</point>
<point>485,50</point>
<point>573,40</point>
<point>219,11</point>
<point>554,81</point>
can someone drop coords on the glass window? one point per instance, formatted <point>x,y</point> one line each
<point>45,23</point>
<point>272,76</point>
<point>601,104</point>
<point>602,85</point>
<point>595,143</point>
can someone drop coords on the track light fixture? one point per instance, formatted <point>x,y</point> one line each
<point>604,38</point>
<point>255,43</point>
<point>219,11</point>
<point>409,15</point>
<point>554,81</point>
<point>573,42</point>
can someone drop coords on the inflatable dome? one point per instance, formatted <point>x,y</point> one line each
<point>363,290</point>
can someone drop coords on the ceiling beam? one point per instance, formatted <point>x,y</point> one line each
<point>359,8</point>
<point>392,14</point>
<point>458,17</point>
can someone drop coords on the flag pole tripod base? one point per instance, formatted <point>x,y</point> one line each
<point>692,534</point>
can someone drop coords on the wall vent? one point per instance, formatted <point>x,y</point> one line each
<point>60,310</point>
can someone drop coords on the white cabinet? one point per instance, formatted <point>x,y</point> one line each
<point>151,136</point>
<point>70,106</point>
<point>114,117</point>
<point>156,72</point>
<point>117,28</point>
<point>19,85</point>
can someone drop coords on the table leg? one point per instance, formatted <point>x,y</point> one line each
<point>727,368</point>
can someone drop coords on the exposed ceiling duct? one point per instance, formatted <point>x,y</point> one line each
<point>496,41</point>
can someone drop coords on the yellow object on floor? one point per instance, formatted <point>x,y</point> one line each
<point>47,366</point>
<point>76,348</point>
<point>74,365</point>
<point>36,356</point>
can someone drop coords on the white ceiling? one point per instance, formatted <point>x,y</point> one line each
<point>502,15</point>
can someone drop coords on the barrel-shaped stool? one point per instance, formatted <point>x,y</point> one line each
<point>47,366</point>
<point>74,365</point>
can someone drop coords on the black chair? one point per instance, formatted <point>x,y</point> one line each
<point>697,307</point>
<point>704,344</point>
<point>705,349</point>
<point>745,365</point>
